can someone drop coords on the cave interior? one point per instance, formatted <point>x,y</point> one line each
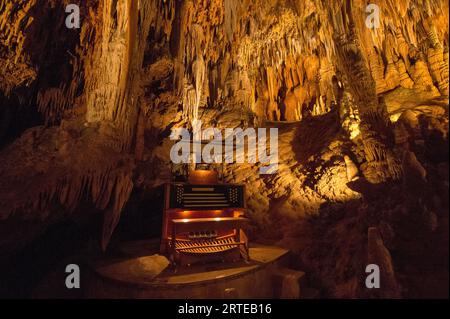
<point>87,116</point>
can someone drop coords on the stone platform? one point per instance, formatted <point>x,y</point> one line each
<point>131,276</point>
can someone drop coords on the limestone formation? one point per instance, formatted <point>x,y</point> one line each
<point>362,113</point>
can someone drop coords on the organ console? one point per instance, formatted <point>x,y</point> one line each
<point>204,220</point>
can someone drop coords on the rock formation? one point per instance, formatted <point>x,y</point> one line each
<point>86,114</point>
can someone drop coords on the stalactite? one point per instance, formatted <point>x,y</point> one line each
<point>199,70</point>
<point>44,186</point>
<point>105,189</point>
<point>109,64</point>
<point>439,68</point>
<point>18,63</point>
<point>114,69</point>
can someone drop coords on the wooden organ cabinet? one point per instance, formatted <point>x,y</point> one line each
<point>204,220</point>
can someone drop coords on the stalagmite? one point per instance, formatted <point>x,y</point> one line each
<point>379,255</point>
<point>352,169</point>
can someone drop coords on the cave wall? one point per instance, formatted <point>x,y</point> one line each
<point>358,109</point>
<point>235,65</point>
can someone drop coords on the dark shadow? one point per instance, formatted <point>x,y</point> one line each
<point>25,272</point>
<point>314,133</point>
<point>142,216</point>
<point>15,118</point>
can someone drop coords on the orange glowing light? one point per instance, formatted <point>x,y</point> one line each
<point>203,177</point>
